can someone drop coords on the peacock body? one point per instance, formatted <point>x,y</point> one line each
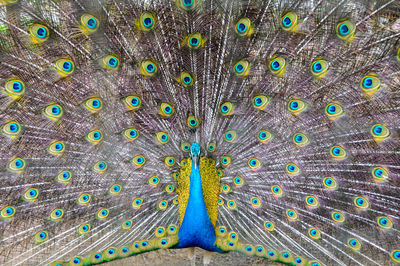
<point>270,128</point>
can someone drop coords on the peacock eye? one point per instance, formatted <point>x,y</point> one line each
<point>195,40</point>
<point>233,236</point>
<point>249,249</point>
<point>384,222</point>
<point>187,4</point>
<point>226,160</point>
<point>153,181</point>
<point>102,214</point>
<point>148,68</point>
<point>115,189</point>
<point>285,254</point>
<point>186,79</point>
<point>260,102</point>
<point>89,23</point>
<point>169,161</point>
<point>289,21</point>
<point>354,243</point>
<point>226,189</point>
<point>243,27</point>
<point>238,181</point>
<point>370,84</point>
<point>296,106</point>
<point>84,229</point>
<point>221,202</point>
<point>319,68</point>
<point>291,214</point>
<point>312,202</point>
<point>292,169</point>
<point>56,214</point>
<point>380,174</point>
<point>300,139</point>
<point>338,217</point>
<point>192,121</point>
<point>380,132</point>
<point>12,129</point>
<point>137,203</point>
<point>241,68</point>
<point>166,109</point>
<point>361,203</point>
<point>147,21</point>
<point>334,110</point>
<point>64,177</point>
<point>138,161</point>
<point>109,62</point>
<point>39,33</point>
<point>220,173</point>
<point>94,136</point>
<point>254,163</point>
<point>338,153</point>
<point>65,67</point>
<point>221,231</point>
<point>256,202</point>
<point>212,147</point>
<point>16,165</point>
<point>30,194</point>
<point>162,205</point>
<point>330,183</point>
<point>277,66</point>
<point>110,253</point>
<point>41,236</point>
<point>259,249</point>
<point>230,136</point>
<point>169,189</point>
<point>314,233</point>
<point>84,199</point>
<point>130,134</point>
<point>127,224</point>
<point>345,29</point>
<point>162,137</point>
<point>264,136</point>
<point>7,212</point>
<point>298,260</point>
<point>94,104</point>
<point>53,112</point>
<point>14,87</point>
<point>272,255</point>
<point>56,148</point>
<point>231,204</point>
<point>277,191</point>
<point>226,108</point>
<point>100,167</point>
<point>172,229</point>
<point>133,102</point>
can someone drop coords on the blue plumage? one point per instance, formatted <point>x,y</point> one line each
<point>196,229</point>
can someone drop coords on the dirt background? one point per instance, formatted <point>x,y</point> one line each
<point>182,257</point>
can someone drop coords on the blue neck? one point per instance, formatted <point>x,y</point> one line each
<point>196,229</point>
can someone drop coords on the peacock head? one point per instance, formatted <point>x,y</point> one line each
<point>195,152</point>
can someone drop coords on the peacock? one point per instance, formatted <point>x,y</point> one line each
<point>265,127</point>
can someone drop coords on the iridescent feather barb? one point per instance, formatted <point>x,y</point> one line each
<point>270,128</point>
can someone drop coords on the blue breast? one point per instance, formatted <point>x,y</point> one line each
<point>196,229</point>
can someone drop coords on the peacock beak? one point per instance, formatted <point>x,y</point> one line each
<point>195,154</point>
<point>195,160</point>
